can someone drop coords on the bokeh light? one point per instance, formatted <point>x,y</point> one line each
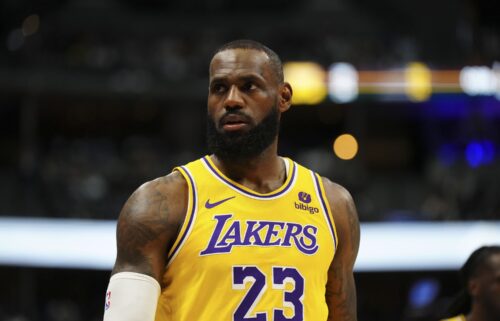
<point>423,292</point>
<point>15,40</point>
<point>479,153</point>
<point>307,80</point>
<point>31,24</point>
<point>478,80</point>
<point>343,83</point>
<point>345,146</point>
<point>418,82</point>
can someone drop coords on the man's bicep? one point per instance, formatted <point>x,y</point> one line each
<point>135,238</point>
<point>146,227</point>
<point>340,289</point>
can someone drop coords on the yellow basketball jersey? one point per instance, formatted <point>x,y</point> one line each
<point>242,255</point>
<point>460,317</point>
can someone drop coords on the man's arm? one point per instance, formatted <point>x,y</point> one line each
<point>340,288</point>
<point>147,227</point>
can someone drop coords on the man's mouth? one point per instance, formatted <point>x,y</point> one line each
<point>233,122</point>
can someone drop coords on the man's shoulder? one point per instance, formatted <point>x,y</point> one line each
<point>172,183</point>
<point>148,223</point>
<point>335,192</point>
<point>164,195</point>
<point>344,214</point>
<point>158,204</point>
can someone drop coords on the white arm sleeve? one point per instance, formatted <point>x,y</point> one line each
<point>131,297</point>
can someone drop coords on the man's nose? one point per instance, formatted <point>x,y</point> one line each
<point>234,98</point>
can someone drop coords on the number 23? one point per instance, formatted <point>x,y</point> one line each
<point>280,277</point>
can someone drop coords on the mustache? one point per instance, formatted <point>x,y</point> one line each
<point>245,117</point>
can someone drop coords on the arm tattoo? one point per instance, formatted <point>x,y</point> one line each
<point>353,227</point>
<point>341,296</point>
<point>142,221</point>
<point>341,290</point>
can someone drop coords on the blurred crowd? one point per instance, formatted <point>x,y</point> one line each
<point>92,178</point>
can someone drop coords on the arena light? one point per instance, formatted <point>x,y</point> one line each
<point>422,246</point>
<point>478,80</point>
<point>90,244</point>
<point>479,153</point>
<point>418,82</point>
<point>496,73</point>
<point>307,80</point>
<point>68,243</point>
<point>343,82</point>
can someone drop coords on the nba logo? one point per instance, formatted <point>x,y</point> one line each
<point>107,304</point>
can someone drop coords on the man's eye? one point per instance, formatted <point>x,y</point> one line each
<point>218,88</point>
<point>249,86</point>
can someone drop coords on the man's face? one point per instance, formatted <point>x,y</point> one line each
<point>487,291</point>
<point>243,111</point>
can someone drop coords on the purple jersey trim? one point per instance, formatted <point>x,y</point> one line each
<point>191,218</point>
<point>325,208</point>
<point>248,193</point>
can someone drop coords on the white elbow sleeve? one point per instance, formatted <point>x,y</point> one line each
<point>131,297</point>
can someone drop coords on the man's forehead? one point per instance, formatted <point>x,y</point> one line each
<point>491,266</point>
<point>494,261</point>
<point>238,60</point>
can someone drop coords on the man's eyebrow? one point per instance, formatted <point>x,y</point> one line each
<point>251,77</point>
<point>218,79</point>
<point>245,77</point>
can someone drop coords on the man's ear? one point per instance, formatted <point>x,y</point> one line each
<point>473,287</point>
<point>285,99</point>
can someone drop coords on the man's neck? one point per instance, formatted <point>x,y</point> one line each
<point>263,173</point>
<point>479,314</point>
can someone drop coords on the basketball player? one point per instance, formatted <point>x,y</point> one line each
<point>242,234</point>
<point>480,297</point>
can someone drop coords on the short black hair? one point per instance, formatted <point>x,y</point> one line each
<point>274,59</point>
<point>476,261</point>
<point>471,268</point>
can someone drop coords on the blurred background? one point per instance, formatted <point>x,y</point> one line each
<point>397,101</point>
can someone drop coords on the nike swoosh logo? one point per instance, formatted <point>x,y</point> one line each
<point>212,205</point>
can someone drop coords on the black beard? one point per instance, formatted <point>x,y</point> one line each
<point>239,146</point>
